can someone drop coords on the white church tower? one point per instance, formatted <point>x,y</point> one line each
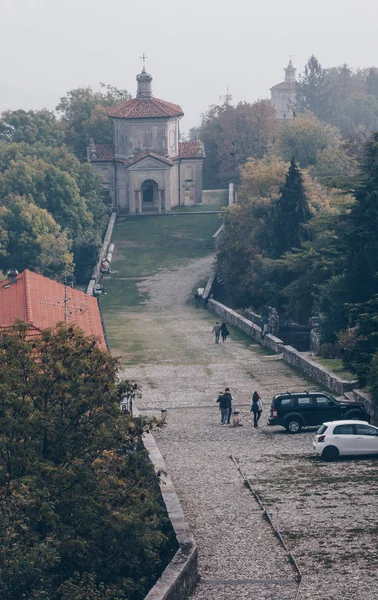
<point>283,94</point>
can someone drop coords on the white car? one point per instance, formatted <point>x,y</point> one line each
<point>343,438</point>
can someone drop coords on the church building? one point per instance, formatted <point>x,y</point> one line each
<point>283,94</point>
<point>147,168</point>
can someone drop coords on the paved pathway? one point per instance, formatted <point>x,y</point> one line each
<point>184,370</point>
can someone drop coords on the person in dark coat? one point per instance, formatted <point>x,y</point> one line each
<point>229,395</point>
<point>224,331</point>
<point>225,407</point>
<point>256,408</point>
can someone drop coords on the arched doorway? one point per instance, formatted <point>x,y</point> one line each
<point>149,192</point>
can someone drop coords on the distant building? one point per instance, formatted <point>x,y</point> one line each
<point>146,168</point>
<point>283,94</point>
<point>43,303</point>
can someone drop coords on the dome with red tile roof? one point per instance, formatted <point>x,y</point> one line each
<point>144,106</point>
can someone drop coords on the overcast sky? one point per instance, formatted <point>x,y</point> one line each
<point>195,48</point>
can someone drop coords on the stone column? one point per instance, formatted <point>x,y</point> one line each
<point>160,200</point>
<point>138,198</point>
<point>132,202</point>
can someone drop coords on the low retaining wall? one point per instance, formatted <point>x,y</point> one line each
<point>290,355</point>
<point>217,235</point>
<point>254,331</point>
<point>104,249</point>
<point>317,372</point>
<point>181,575</point>
<point>370,405</point>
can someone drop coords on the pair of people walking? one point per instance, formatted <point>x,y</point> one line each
<point>225,400</point>
<point>225,406</point>
<point>220,330</point>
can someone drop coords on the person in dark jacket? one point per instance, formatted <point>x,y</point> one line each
<point>224,331</point>
<point>229,395</point>
<point>256,408</point>
<point>225,407</point>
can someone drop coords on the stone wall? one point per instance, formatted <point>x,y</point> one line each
<point>103,252</point>
<point>370,404</point>
<point>290,355</point>
<point>317,372</point>
<point>217,236</point>
<point>254,331</point>
<point>181,575</point>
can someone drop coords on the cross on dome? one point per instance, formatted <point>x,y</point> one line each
<point>144,58</point>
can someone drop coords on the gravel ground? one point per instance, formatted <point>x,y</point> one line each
<point>326,512</point>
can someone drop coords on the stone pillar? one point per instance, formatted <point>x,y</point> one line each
<point>139,201</point>
<point>160,200</point>
<point>231,192</point>
<point>132,202</point>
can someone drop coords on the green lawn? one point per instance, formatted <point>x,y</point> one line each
<point>144,245</point>
<point>335,365</point>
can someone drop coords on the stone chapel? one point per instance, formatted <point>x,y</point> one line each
<point>147,168</point>
<point>283,94</point>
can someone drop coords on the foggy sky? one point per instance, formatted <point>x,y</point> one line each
<point>195,48</point>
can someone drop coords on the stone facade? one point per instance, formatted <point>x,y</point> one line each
<point>283,94</point>
<point>147,168</point>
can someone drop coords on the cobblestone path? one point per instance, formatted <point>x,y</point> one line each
<point>183,371</point>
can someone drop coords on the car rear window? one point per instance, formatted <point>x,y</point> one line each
<point>287,402</point>
<point>322,429</point>
<point>343,430</point>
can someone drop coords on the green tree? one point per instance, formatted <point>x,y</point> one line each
<point>82,117</point>
<point>50,188</point>
<point>232,134</point>
<point>31,127</point>
<point>361,238</point>
<point>31,239</point>
<point>291,213</point>
<point>305,137</point>
<point>312,91</point>
<point>63,438</point>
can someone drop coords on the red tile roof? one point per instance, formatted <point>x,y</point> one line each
<point>103,152</point>
<point>285,85</point>
<point>191,150</point>
<point>139,108</point>
<point>39,301</point>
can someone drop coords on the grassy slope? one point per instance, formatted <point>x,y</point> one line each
<point>143,246</point>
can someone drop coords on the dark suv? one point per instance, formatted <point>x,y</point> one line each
<point>294,410</point>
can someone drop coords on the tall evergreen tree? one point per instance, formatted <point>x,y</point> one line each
<point>291,213</point>
<point>362,238</point>
<point>313,92</point>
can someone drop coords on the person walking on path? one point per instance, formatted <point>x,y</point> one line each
<point>224,331</point>
<point>256,408</point>
<point>225,407</point>
<point>216,330</point>
<point>197,299</point>
<point>228,394</point>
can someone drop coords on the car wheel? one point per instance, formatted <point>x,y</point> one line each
<point>330,453</point>
<point>293,425</point>
<point>355,415</point>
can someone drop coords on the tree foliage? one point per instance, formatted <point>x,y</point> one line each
<point>291,213</point>
<point>53,179</point>
<point>83,116</point>
<point>63,439</point>
<point>231,135</point>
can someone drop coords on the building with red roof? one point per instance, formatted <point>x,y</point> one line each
<point>147,168</point>
<point>283,94</point>
<point>43,302</point>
